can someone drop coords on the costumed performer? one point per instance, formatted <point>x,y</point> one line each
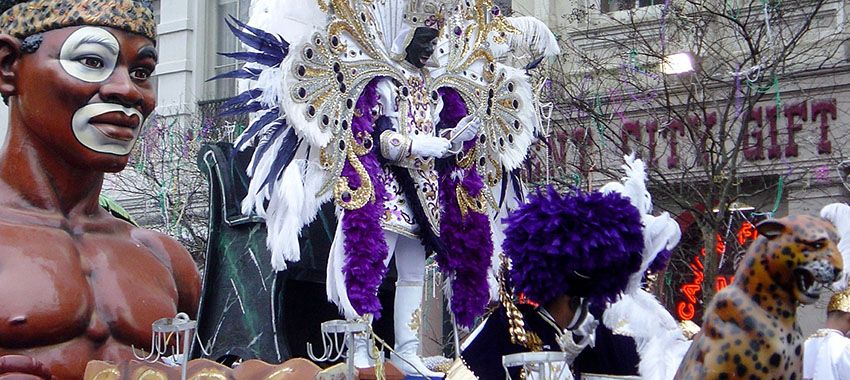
<point>78,283</point>
<point>826,354</point>
<point>565,252</point>
<point>839,215</point>
<point>408,154</point>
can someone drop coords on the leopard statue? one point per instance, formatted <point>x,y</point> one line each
<point>750,329</point>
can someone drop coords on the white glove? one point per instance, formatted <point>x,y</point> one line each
<point>429,146</point>
<point>586,334</point>
<point>467,129</point>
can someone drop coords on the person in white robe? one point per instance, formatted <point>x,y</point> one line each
<point>826,354</point>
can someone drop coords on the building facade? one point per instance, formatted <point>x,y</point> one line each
<point>769,90</point>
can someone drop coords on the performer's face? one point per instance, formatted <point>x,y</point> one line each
<point>421,47</point>
<point>85,93</point>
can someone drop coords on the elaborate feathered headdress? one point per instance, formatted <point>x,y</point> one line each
<point>581,244</point>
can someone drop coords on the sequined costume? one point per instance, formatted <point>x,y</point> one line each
<point>321,98</point>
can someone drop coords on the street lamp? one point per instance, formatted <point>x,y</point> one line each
<point>678,63</point>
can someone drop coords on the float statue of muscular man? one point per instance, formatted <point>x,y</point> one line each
<point>78,284</point>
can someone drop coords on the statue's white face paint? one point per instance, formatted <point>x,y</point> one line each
<point>89,43</point>
<point>117,139</point>
<point>90,54</point>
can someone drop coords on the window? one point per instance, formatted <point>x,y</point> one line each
<point>223,41</point>
<point>620,5</point>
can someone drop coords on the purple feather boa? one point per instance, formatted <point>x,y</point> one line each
<point>584,244</point>
<point>364,244</point>
<point>467,239</point>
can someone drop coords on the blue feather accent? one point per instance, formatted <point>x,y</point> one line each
<point>271,50</point>
<point>260,39</point>
<point>533,64</point>
<point>257,126</point>
<point>242,109</point>
<point>268,134</point>
<point>261,58</point>
<point>243,73</point>
<point>285,154</point>
<point>242,99</point>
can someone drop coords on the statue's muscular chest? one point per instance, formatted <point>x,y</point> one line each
<point>59,286</point>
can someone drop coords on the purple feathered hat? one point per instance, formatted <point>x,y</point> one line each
<point>581,244</point>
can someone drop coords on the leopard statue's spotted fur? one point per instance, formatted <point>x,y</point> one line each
<point>750,329</point>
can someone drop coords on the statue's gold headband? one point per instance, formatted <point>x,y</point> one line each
<point>840,302</point>
<point>26,18</point>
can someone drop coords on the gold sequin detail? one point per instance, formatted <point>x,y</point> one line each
<point>415,320</point>
<point>840,302</point>
<point>357,198</point>
<point>516,324</point>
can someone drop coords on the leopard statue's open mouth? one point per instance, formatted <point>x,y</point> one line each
<point>812,279</point>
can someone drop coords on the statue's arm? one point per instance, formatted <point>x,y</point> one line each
<point>186,276</point>
<point>23,368</point>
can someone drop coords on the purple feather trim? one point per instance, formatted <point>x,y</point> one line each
<point>467,239</point>
<point>469,246</point>
<point>454,108</point>
<point>584,244</point>
<point>365,247</point>
<point>660,262</point>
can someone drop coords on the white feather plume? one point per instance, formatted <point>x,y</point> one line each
<point>334,277</point>
<point>258,193</point>
<point>839,215</point>
<point>294,20</point>
<point>271,82</point>
<point>660,342</point>
<point>294,205</point>
<point>633,185</point>
<point>533,40</point>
